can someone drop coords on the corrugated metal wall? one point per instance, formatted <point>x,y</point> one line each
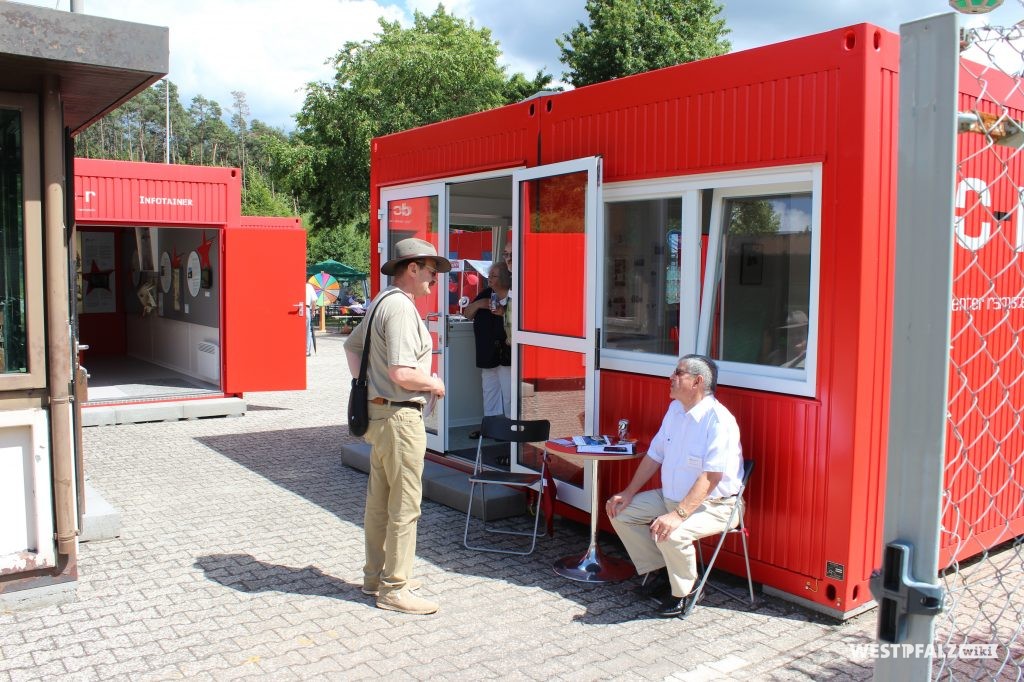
<point>687,129</point>
<point>119,192</point>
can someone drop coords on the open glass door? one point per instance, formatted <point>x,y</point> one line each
<point>554,321</point>
<point>418,212</point>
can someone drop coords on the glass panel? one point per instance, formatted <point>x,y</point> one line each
<point>471,252</point>
<point>553,221</point>
<point>551,387</point>
<point>641,275</point>
<point>13,332</point>
<point>417,217</point>
<point>414,217</point>
<point>761,310</point>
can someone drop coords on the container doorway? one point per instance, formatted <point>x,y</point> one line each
<point>479,375</point>
<point>148,309</point>
<point>551,334</point>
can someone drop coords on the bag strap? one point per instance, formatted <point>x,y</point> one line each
<point>369,330</point>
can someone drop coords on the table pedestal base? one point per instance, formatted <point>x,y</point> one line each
<point>594,567</point>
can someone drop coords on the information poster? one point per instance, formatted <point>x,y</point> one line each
<point>98,273</point>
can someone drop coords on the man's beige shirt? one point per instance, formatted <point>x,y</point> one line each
<point>399,337</point>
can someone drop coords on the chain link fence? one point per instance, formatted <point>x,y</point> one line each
<point>981,544</point>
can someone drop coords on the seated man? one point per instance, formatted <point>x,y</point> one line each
<point>698,450</point>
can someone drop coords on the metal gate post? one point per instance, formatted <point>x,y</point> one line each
<point>907,589</point>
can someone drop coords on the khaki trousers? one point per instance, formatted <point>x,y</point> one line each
<point>676,552</point>
<point>398,443</point>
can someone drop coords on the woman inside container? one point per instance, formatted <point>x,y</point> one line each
<point>493,354</point>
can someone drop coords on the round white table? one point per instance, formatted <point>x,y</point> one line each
<point>592,566</point>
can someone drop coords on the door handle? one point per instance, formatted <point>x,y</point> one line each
<point>436,317</point>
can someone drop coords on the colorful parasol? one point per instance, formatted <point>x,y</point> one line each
<point>327,288</point>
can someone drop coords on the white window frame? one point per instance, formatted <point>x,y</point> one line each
<point>696,315</point>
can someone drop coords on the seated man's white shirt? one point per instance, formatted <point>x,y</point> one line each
<point>706,438</point>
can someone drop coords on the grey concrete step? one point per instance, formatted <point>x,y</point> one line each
<point>164,411</point>
<point>101,520</point>
<point>449,486</point>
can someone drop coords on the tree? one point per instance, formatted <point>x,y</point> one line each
<point>258,199</point>
<point>137,130</point>
<point>240,126</point>
<point>519,87</point>
<point>210,136</point>
<point>631,36</point>
<point>753,216</point>
<point>349,244</point>
<point>440,68</point>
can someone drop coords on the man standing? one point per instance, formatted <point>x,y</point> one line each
<point>698,450</point>
<point>399,382</point>
<point>311,300</point>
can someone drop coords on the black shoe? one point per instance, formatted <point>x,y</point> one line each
<point>676,607</point>
<point>473,435</point>
<point>655,585</point>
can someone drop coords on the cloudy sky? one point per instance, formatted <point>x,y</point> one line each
<point>270,49</point>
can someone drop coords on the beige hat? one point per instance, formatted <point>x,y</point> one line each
<point>414,249</point>
<point>796,318</point>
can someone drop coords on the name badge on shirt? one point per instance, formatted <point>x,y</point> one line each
<point>693,461</point>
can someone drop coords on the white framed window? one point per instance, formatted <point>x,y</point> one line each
<point>753,307</point>
<point>759,309</point>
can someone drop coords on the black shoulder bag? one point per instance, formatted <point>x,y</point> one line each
<point>358,396</point>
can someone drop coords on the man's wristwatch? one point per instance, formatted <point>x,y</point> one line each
<point>682,513</point>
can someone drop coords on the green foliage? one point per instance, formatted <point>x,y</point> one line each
<point>348,244</point>
<point>753,216</point>
<point>440,68</point>
<point>258,199</point>
<point>518,87</point>
<point>631,36</point>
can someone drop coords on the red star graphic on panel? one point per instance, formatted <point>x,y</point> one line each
<point>96,278</point>
<point>204,251</point>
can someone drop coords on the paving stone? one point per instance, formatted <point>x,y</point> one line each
<point>240,557</point>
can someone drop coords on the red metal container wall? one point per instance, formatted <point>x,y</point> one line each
<point>821,460</point>
<point>826,99</point>
<point>122,192</point>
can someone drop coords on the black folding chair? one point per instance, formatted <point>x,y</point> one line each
<point>741,529</point>
<point>507,430</point>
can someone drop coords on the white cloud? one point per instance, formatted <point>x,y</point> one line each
<point>270,49</point>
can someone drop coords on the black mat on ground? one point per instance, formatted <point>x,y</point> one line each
<point>494,456</point>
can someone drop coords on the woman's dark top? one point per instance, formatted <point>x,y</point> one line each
<point>489,332</point>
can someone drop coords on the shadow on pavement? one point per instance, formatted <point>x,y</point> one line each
<point>307,462</point>
<point>245,573</point>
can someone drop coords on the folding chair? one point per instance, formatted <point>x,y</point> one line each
<point>507,430</point>
<point>741,529</point>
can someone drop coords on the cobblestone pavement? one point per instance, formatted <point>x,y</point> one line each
<point>240,558</point>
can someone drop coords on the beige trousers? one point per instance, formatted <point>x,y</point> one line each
<point>676,552</point>
<point>398,443</point>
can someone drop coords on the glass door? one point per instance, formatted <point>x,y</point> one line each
<point>418,212</point>
<point>553,313</point>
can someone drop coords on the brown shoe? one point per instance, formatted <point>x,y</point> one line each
<point>373,589</point>
<point>406,602</point>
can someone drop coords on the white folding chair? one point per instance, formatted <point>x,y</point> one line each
<point>507,430</point>
<point>741,529</point>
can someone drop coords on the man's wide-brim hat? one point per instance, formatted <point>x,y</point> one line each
<point>796,318</point>
<point>415,249</point>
